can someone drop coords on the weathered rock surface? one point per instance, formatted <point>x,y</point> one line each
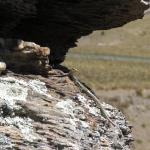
<point>59,23</point>
<point>25,57</point>
<point>52,113</point>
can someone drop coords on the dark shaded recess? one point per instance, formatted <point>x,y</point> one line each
<point>59,23</point>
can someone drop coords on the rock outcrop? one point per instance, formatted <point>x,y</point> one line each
<point>47,113</point>
<point>59,23</point>
<point>54,114</point>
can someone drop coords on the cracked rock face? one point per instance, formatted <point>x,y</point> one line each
<point>34,114</point>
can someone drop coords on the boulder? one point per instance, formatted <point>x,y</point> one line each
<point>53,113</point>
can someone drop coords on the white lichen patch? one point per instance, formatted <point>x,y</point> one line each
<point>35,85</point>
<point>81,98</point>
<point>92,110</point>
<point>13,80</point>
<point>66,107</point>
<point>73,109</point>
<point>5,142</point>
<point>38,86</point>
<point>69,107</point>
<point>11,91</point>
<point>84,124</point>
<point>23,124</point>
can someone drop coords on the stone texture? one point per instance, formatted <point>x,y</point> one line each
<point>23,57</point>
<point>52,113</point>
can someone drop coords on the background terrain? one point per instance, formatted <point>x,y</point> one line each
<point>116,64</point>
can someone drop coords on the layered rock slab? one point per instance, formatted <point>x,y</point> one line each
<point>52,113</point>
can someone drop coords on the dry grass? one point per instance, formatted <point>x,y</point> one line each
<point>112,75</point>
<point>131,40</point>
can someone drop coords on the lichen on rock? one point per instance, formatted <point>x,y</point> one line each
<point>35,115</point>
<point>12,90</point>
